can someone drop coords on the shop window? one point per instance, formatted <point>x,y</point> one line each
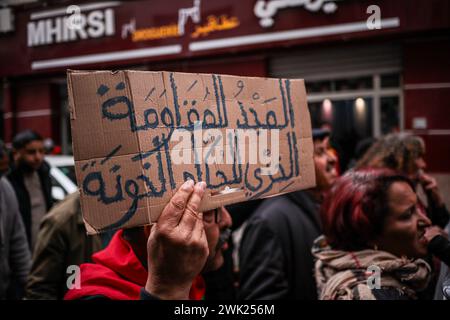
<point>390,114</point>
<point>351,121</point>
<point>347,84</point>
<point>318,86</point>
<point>391,80</point>
<point>359,83</point>
<point>357,109</point>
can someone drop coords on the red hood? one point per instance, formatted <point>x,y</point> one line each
<point>116,273</point>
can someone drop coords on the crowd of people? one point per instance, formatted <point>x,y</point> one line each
<point>377,230</point>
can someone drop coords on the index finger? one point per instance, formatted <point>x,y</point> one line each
<point>191,214</point>
<point>173,211</point>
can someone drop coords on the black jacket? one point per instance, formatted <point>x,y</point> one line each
<point>438,215</point>
<point>15,257</point>
<point>275,253</point>
<point>15,176</point>
<point>443,285</point>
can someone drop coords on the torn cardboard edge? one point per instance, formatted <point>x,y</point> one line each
<point>85,88</point>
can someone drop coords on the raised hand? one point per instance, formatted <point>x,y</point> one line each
<point>177,247</point>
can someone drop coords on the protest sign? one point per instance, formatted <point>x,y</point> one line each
<point>138,135</point>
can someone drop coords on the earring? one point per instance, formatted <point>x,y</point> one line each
<point>375,247</point>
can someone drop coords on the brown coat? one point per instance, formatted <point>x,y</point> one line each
<point>62,241</point>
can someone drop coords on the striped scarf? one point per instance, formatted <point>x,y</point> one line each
<point>344,275</point>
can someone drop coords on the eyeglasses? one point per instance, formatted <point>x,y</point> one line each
<point>213,216</point>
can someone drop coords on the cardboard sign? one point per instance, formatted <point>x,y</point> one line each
<point>137,136</point>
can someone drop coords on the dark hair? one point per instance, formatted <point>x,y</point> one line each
<point>396,151</point>
<point>25,137</point>
<point>354,211</point>
<point>363,146</point>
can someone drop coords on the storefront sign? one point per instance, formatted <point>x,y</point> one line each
<point>266,10</point>
<point>129,32</point>
<point>162,32</point>
<point>95,24</point>
<point>215,24</point>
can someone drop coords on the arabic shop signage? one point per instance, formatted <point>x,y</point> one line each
<point>100,23</point>
<point>118,32</point>
<point>267,9</point>
<point>213,24</point>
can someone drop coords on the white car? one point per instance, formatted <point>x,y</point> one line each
<point>62,173</point>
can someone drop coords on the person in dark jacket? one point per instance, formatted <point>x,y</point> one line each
<point>275,254</point>
<point>439,245</point>
<point>446,286</point>
<point>30,178</point>
<point>15,257</point>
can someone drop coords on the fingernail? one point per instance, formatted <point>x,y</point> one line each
<point>202,185</point>
<point>188,184</point>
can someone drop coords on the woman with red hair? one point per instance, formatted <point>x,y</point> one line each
<point>375,239</point>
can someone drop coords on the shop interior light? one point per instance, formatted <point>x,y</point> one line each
<point>360,105</point>
<point>327,109</point>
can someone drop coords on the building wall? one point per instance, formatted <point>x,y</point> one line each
<point>8,119</point>
<point>426,73</point>
<point>30,106</point>
<point>427,95</point>
<point>37,104</point>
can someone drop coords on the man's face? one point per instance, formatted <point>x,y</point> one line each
<point>213,230</point>
<point>32,154</point>
<point>324,164</point>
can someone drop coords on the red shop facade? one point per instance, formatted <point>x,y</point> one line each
<point>371,67</point>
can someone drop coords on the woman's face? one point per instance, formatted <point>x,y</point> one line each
<point>404,227</point>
